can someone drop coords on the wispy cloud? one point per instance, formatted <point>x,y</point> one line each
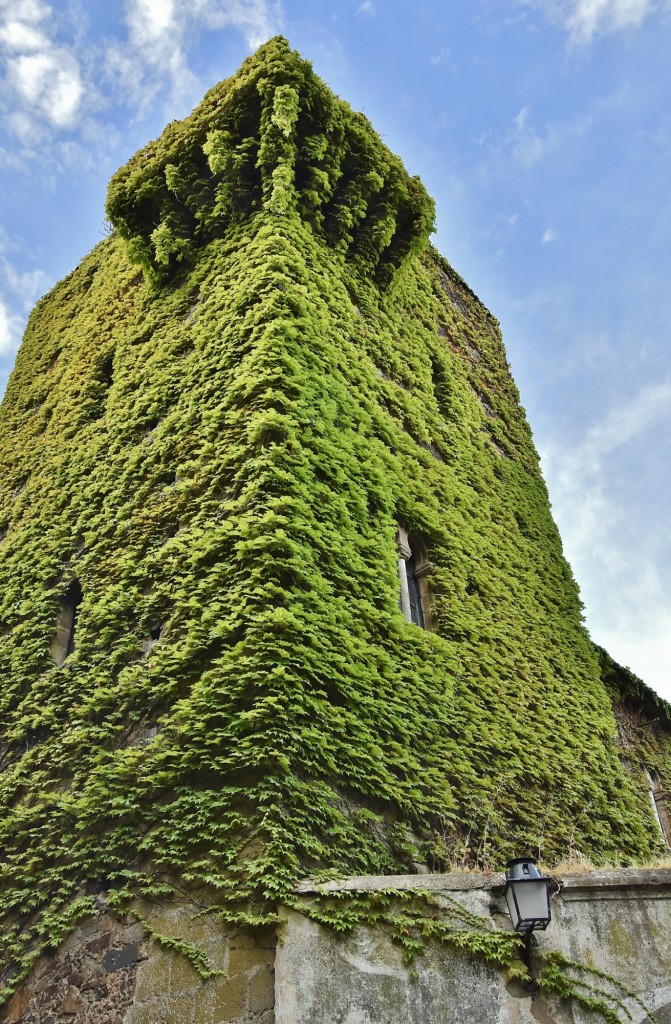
<point>583,20</point>
<point>43,75</point>
<point>528,143</point>
<point>443,56</point>
<point>367,9</point>
<point>10,326</point>
<point>18,292</point>
<point>158,36</point>
<point>609,538</point>
<point>549,235</point>
<point>26,287</point>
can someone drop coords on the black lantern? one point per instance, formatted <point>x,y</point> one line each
<point>527,894</point>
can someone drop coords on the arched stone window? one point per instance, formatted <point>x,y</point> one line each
<point>413,569</point>
<point>63,643</point>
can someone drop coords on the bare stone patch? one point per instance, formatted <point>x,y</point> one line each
<point>90,980</point>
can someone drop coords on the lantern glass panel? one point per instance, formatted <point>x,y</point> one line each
<point>531,897</point>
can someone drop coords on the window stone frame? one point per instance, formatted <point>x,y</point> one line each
<point>411,545</point>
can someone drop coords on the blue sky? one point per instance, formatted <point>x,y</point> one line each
<point>542,128</point>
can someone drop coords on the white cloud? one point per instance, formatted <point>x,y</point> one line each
<point>9,330</point>
<point>367,8</point>
<point>19,291</point>
<point>626,423</point>
<point>586,18</point>
<point>17,37</point>
<point>614,540</point>
<point>50,83</point>
<point>549,235</point>
<point>583,20</point>
<point>28,286</point>
<point>44,76</point>
<point>158,36</point>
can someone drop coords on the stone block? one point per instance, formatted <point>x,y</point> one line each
<point>262,990</point>
<point>245,961</point>
<point>178,1010</point>
<point>85,929</point>
<point>99,943</point>
<point>43,982</point>
<point>183,976</point>
<point>72,1002</point>
<point>153,977</point>
<point>242,938</point>
<point>18,1004</point>
<point>115,959</point>
<point>152,1011</point>
<point>133,933</point>
<point>267,1017</point>
<point>221,1000</point>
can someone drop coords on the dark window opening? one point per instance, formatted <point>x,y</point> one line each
<point>64,642</point>
<point>155,631</point>
<point>106,370</point>
<point>155,634</point>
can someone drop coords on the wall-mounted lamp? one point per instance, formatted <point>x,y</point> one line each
<point>527,894</point>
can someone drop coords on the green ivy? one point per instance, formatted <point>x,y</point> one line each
<point>222,444</point>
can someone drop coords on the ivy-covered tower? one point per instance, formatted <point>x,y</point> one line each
<point>258,428</point>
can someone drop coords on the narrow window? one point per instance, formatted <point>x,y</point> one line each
<point>413,568</point>
<point>414,596</point>
<point>660,804</point>
<point>155,634</point>
<point>63,643</point>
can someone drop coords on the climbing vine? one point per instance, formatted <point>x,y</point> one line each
<point>215,425</point>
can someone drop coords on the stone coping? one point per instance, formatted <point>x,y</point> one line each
<point>433,882</point>
<point>607,883</point>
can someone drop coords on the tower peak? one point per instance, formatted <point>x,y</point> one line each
<point>272,138</point>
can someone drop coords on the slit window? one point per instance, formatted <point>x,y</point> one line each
<point>413,569</point>
<point>660,803</point>
<point>414,596</point>
<point>155,634</point>
<point>64,641</point>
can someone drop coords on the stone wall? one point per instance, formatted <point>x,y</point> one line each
<point>92,977</point>
<point>111,971</point>
<point>115,971</point>
<point>618,922</point>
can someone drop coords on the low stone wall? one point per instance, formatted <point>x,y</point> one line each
<point>115,971</point>
<point>618,922</point>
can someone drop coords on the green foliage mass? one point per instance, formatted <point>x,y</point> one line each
<point>273,138</point>
<point>219,449</point>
